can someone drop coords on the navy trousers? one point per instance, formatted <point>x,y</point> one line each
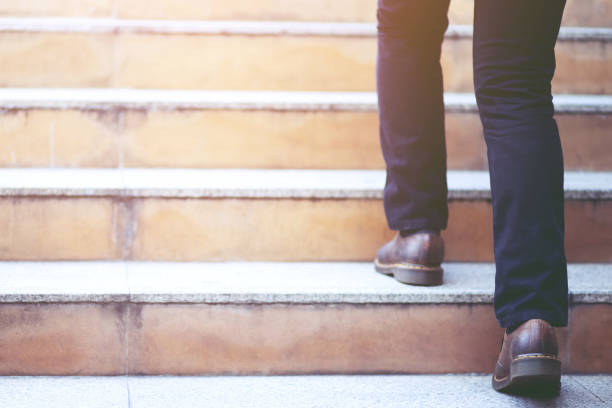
<point>514,63</point>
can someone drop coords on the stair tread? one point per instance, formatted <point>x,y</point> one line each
<point>99,98</point>
<point>237,27</point>
<point>279,391</point>
<point>255,183</point>
<point>263,282</point>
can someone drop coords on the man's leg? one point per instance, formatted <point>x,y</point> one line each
<point>514,64</point>
<point>411,113</point>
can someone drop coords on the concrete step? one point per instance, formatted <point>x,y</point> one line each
<point>270,318</point>
<point>273,215</point>
<point>593,13</point>
<point>61,52</point>
<point>389,391</point>
<point>226,129</point>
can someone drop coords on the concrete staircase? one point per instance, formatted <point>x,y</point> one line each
<point>194,187</point>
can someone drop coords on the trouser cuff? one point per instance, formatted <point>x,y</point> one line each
<point>513,319</point>
<point>416,224</point>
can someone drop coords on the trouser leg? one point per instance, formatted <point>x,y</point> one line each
<point>411,111</point>
<point>514,63</point>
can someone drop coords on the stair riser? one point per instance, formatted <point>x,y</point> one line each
<point>220,229</point>
<point>40,59</point>
<point>75,229</point>
<point>272,339</point>
<point>597,13</point>
<point>259,139</point>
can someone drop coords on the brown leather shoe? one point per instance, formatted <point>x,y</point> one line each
<point>528,363</point>
<point>414,259</point>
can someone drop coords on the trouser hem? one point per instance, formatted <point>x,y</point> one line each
<point>514,319</point>
<point>416,224</point>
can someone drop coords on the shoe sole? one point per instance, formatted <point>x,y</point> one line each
<point>533,375</point>
<point>411,274</point>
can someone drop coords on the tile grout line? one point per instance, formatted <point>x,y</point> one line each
<point>573,378</point>
<point>127,337</point>
<point>115,6</point>
<point>115,45</point>
<point>121,138</point>
<point>52,144</point>
<point>128,219</point>
<point>127,318</point>
<point>570,319</point>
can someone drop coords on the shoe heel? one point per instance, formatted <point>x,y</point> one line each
<point>536,374</point>
<point>535,365</point>
<point>425,276</point>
